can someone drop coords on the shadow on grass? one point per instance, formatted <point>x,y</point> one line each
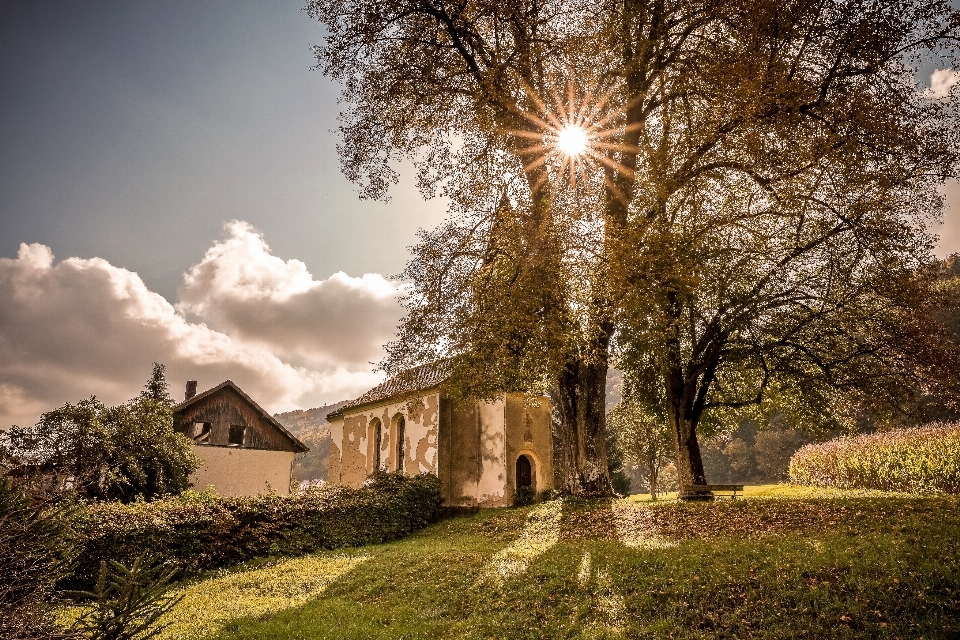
<point>893,573</point>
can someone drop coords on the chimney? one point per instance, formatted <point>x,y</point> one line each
<point>191,390</point>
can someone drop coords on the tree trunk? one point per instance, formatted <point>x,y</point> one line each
<point>687,451</point>
<point>653,479</point>
<point>581,403</point>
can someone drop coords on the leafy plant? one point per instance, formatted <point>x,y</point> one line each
<point>127,602</point>
<point>524,496</point>
<point>36,550</point>
<point>111,453</point>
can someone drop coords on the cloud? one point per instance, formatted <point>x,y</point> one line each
<point>80,327</point>
<point>941,81</point>
<point>242,289</point>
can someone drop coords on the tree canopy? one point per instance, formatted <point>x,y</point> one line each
<point>746,220</point>
<point>109,453</point>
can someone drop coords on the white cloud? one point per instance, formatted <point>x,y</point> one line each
<point>941,81</point>
<point>79,327</point>
<point>242,289</point>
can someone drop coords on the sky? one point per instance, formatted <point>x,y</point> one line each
<point>170,191</point>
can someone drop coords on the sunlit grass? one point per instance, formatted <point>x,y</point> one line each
<point>801,565</point>
<point>542,531</point>
<point>778,491</point>
<point>208,604</point>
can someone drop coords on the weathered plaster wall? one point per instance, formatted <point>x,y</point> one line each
<point>333,464</point>
<point>353,456</point>
<point>473,455</point>
<point>528,433</point>
<point>493,455</point>
<point>357,455</point>
<point>236,471</point>
<point>459,453</point>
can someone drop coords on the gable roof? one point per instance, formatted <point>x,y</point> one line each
<point>299,446</point>
<point>406,382</point>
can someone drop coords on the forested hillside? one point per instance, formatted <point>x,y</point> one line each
<point>310,426</point>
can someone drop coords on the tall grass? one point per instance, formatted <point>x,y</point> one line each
<point>919,460</point>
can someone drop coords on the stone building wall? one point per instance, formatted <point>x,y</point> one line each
<point>472,447</point>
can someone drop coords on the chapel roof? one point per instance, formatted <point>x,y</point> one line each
<point>406,382</point>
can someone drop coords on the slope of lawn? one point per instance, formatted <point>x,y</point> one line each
<point>826,564</point>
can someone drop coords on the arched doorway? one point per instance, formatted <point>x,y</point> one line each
<point>524,472</point>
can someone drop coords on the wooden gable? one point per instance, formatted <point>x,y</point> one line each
<point>227,417</point>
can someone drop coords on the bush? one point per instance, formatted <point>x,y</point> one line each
<point>198,531</point>
<point>918,460</point>
<point>35,552</point>
<point>106,453</point>
<point>524,496</point>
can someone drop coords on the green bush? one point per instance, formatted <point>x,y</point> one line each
<point>198,531</point>
<point>918,460</point>
<point>524,496</point>
<point>36,550</point>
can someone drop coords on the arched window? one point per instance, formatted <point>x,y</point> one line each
<point>524,472</point>
<point>401,436</point>
<point>377,437</point>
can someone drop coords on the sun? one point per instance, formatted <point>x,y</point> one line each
<point>572,140</point>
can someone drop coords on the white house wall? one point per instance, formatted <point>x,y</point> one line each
<point>236,471</point>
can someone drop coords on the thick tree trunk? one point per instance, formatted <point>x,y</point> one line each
<point>583,442</point>
<point>687,451</point>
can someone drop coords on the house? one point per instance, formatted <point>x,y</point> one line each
<point>244,450</point>
<point>482,451</point>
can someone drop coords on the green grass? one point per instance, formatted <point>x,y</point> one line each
<point>815,566</point>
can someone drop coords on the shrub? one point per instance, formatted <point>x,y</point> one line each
<point>918,460</point>
<point>198,531</point>
<point>127,602</point>
<point>524,496</point>
<point>108,453</point>
<point>35,552</point>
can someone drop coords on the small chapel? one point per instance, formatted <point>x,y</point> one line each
<point>481,451</point>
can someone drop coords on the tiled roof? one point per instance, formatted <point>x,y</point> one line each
<point>406,382</point>
<point>299,446</point>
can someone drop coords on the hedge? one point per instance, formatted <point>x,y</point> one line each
<point>919,460</point>
<point>199,531</point>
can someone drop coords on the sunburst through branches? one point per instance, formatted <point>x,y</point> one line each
<point>575,135</point>
<point>572,140</point>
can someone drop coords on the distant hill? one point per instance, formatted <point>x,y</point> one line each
<point>301,419</point>
<point>310,426</point>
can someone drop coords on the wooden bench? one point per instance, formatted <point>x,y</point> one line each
<point>698,491</point>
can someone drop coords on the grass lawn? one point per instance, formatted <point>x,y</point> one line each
<point>808,564</point>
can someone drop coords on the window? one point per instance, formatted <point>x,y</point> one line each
<point>377,438</point>
<point>401,428</point>
<point>201,432</point>
<point>236,435</point>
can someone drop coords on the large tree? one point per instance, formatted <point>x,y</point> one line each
<point>685,105</point>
